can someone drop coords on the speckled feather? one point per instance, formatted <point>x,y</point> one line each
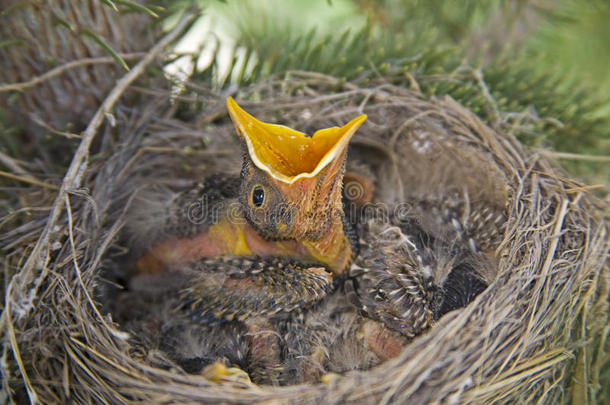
<point>474,225</point>
<point>274,317</point>
<point>282,320</point>
<point>237,288</point>
<point>407,279</point>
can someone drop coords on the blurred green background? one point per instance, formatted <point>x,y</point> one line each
<point>535,68</point>
<point>543,61</point>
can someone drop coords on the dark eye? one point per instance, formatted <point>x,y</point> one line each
<point>258,196</point>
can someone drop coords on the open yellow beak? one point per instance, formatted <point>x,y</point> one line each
<point>288,155</point>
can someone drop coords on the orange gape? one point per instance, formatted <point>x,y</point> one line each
<point>291,202</point>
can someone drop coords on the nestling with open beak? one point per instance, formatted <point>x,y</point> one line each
<point>263,245</point>
<point>287,203</point>
<point>250,255</point>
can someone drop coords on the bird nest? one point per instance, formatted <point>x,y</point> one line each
<point>537,332</point>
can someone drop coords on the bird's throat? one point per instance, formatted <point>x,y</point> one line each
<point>229,237</point>
<point>333,249</point>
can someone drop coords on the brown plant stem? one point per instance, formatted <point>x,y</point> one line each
<point>35,268</point>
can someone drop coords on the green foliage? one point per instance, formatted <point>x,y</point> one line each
<point>138,7</point>
<point>571,40</point>
<point>450,21</point>
<point>444,47</point>
<point>101,42</point>
<point>547,81</point>
<point>576,36</point>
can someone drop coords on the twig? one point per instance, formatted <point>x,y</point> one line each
<point>7,322</point>
<point>28,179</point>
<point>169,149</point>
<point>62,68</point>
<point>73,176</point>
<point>49,128</point>
<point>412,82</point>
<point>212,117</point>
<point>575,156</point>
<point>478,75</point>
<point>75,261</point>
<point>13,165</point>
<point>321,76</point>
<point>584,188</point>
<point>404,125</point>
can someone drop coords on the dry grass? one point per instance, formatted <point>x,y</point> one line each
<point>538,333</point>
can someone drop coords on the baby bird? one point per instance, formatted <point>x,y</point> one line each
<point>259,259</point>
<point>407,279</point>
<point>287,201</point>
<point>260,246</point>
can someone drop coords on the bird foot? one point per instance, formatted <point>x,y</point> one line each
<point>218,372</point>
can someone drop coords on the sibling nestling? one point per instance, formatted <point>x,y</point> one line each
<point>257,265</point>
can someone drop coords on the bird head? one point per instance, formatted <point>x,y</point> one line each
<point>291,182</point>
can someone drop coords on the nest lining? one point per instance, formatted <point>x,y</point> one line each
<point>537,329</point>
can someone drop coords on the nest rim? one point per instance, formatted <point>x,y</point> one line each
<point>96,352</point>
